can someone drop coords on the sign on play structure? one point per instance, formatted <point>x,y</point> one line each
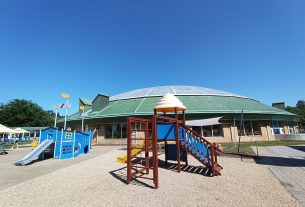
<point>65,95</point>
<point>68,135</point>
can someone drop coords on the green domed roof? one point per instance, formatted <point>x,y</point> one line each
<point>175,90</point>
<point>200,103</point>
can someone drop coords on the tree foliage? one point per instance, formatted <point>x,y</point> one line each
<point>297,110</point>
<point>20,112</point>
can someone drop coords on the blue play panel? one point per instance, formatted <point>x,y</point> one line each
<point>67,144</point>
<point>166,131</point>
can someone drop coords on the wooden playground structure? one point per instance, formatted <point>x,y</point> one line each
<point>167,125</point>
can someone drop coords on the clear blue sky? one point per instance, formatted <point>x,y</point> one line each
<point>254,48</point>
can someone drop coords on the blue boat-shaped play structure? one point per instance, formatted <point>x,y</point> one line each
<point>59,143</point>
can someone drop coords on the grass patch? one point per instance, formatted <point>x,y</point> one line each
<point>245,147</point>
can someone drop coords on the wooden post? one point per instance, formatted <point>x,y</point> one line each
<point>177,140</point>
<point>212,159</point>
<point>146,148</point>
<point>128,151</point>
<point>183,137</point>
<point>166,152</point>
<point>155,151</point>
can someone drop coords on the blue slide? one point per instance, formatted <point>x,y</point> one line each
<point>34,154</point>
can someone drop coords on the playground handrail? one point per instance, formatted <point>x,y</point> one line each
<point>173,120</point>
<point>202,139</point>
<point>214,149</point>
<point>136,119</point>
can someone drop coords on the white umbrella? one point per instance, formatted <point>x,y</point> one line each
<point>20,130</point>
<point>4,129</point>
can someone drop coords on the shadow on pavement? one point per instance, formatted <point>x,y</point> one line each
<point>201,170</point>
<point>121,175</point>
<point>300,148</point>
<point>280,161</point>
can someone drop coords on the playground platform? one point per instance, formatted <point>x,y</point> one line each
<point>101,182</point>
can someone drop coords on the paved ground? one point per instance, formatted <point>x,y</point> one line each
<point>288,165</point>
<point>101,182</point>
<point>11,175</point>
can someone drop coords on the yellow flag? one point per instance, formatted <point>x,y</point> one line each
<point>65,95</point>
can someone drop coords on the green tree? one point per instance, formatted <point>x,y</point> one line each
<point>19,112</point>
<point>297,110</point>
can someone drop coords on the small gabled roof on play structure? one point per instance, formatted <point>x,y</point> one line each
<point>169,103</point>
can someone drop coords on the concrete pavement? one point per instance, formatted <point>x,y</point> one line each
<point>11,175</point>
<point>287,163</point>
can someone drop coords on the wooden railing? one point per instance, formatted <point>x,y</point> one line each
<point>203,150</point>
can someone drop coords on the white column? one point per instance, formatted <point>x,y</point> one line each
<point>65,124</point>
<point>73,145</point>
<point>55,117</point>
<point>61,137</point>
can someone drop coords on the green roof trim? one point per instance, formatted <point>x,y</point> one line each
<point>196,107</point>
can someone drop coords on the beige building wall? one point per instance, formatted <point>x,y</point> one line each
<point>267,133</point>
<point>230,134</point>
<point>286,131</point>
<point>99,137</point>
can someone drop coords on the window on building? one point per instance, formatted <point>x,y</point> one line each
<point>133,126</point>
<point>115,131</point>
<point>291,126</point>
<point>256,128</point>
<point>108,131</point>
<point>248,128</point>
<point>291,130</point>
<point>137,126</point>
<point>124,130</point>
<point>86,128</point>
<point>197,129</point>
<point>217,131</point>
<point>277,127</point>
<point>209,131</point>
<point>301,128</point>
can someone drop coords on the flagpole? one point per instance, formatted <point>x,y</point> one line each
<point>67,103</point>
<point>82,108</point>
<point>55,117</point>
<point>83,120</point>
<point>66,96</point>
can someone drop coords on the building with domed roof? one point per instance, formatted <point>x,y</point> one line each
<point>301,103</point>
<point>212,113</point>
